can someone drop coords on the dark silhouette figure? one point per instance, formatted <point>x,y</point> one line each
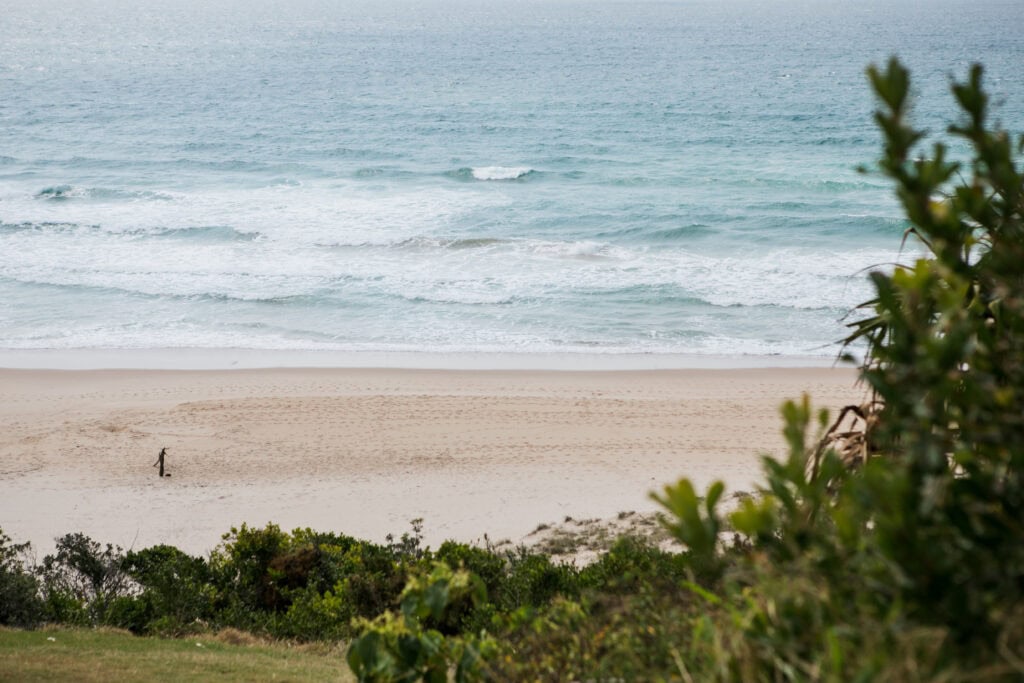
<point>160,460</point>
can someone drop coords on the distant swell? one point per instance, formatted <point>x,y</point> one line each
<point>680,233</point>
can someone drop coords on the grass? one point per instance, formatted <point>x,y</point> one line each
<point>105,655</point>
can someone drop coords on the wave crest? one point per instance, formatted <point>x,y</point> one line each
<point>202,233</point>
<point>493,173</point>
<point>61,192</point>
<point>501,172</point>
<point>65,192</point>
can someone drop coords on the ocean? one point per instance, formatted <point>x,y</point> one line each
<point>462,176</point>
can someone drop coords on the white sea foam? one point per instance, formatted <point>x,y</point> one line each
<point>322,213</point>
<point>501,172</point>
<point>580,249</point>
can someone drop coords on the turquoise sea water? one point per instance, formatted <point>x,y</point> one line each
<point>538,176</point>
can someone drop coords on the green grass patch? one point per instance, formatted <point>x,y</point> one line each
<point>106,655</point>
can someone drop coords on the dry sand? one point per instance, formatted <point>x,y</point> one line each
<point>365,451</point>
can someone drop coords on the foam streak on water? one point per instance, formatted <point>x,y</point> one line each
<point>459,176</point>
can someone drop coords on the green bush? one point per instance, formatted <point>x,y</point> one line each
<point>20,604</point>
<point>946,356</point>
<point>314,615</point>
<point>374,578</point>
<point>463,614</point>
<point>633,563</point>
<point>240,569</point>
<point>82,579</point>
<point>487,565</point>
<point>137,615</point>
<point>534,580</point>
<point>305,584</point>
<point>176,597</point>
<point>393,648</point>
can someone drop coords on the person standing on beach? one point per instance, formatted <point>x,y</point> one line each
<point>160,460</point>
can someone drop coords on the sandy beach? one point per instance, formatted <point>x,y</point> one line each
<point>364,451</point>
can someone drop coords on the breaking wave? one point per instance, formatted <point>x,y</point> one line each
<point>493,173</point>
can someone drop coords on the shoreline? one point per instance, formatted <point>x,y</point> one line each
<point>241,358</point>
<point>363,451</point>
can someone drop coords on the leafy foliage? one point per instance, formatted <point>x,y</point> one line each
<point>20,604</point>
<point>306,584</point>
<point>946,356</point>
<point>176,596</point>
<point>401,649</point>
<point>83,581</point>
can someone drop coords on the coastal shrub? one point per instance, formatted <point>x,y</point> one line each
<point>133,614</point>
<point>305,584</point>
<point>486,564</point>
<point>396,647</point>
<point>82,580</point>
<point>177,596</point>
<point>313,615</point>
<point>633,563</point>
<point>313,579</point>
<point>533,580</point>
<point>329,549</point>
<point>410,544</point>
<point>463,614</point>
<point>20,604</point>
<point>598,637</point>
<point>946,356</point>
<point>374,579</point>
<point>240,568</point>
